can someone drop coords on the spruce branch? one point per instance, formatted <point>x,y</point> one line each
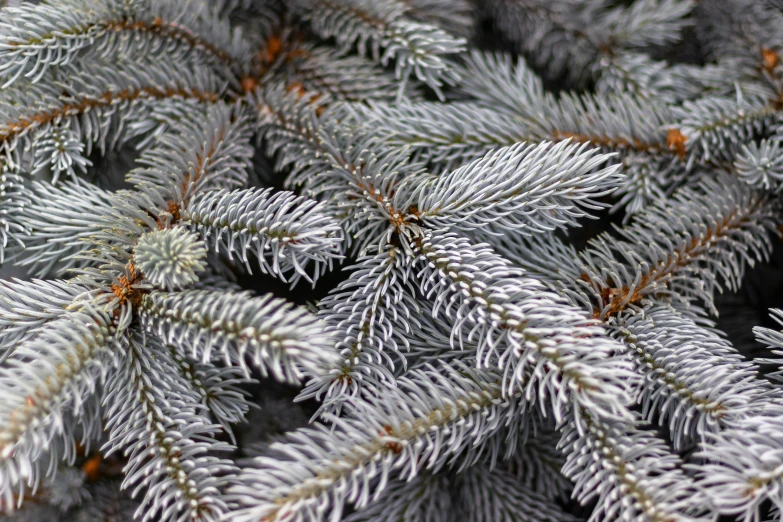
<point>372,313</point>
<point>332,74</point>
<point>388,433</point>
<point>712,127</point>
<point>619,123</point>
<point>487,75</point>
<point>714,230</point>
<point>742,30</point>
<point>27,305</point>
<point>49,374</point>
<point>218,389</point>
<point>545,31</point>
<point>445,137</point>
<point>522,329</point>
<point>60,152</point>
<point>639,478</point>
<point>354,173</point>
<point>639,74</point>
<point>416,48</point>
<point>92,99</point>
<point>743,470</point>
<point>62,221</point>
<point>530,187</point>
<point>37,38</point>
<point>165,436</point>
<point>281,340</point>
<point>190,159</point>
<point>694,379</point>
<point>286,233</point>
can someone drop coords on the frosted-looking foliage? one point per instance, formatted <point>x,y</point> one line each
<point>389,260</point>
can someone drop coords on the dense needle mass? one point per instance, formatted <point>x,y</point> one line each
<point>412,170</point>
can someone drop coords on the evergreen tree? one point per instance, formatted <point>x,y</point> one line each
<point>424,177</point>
